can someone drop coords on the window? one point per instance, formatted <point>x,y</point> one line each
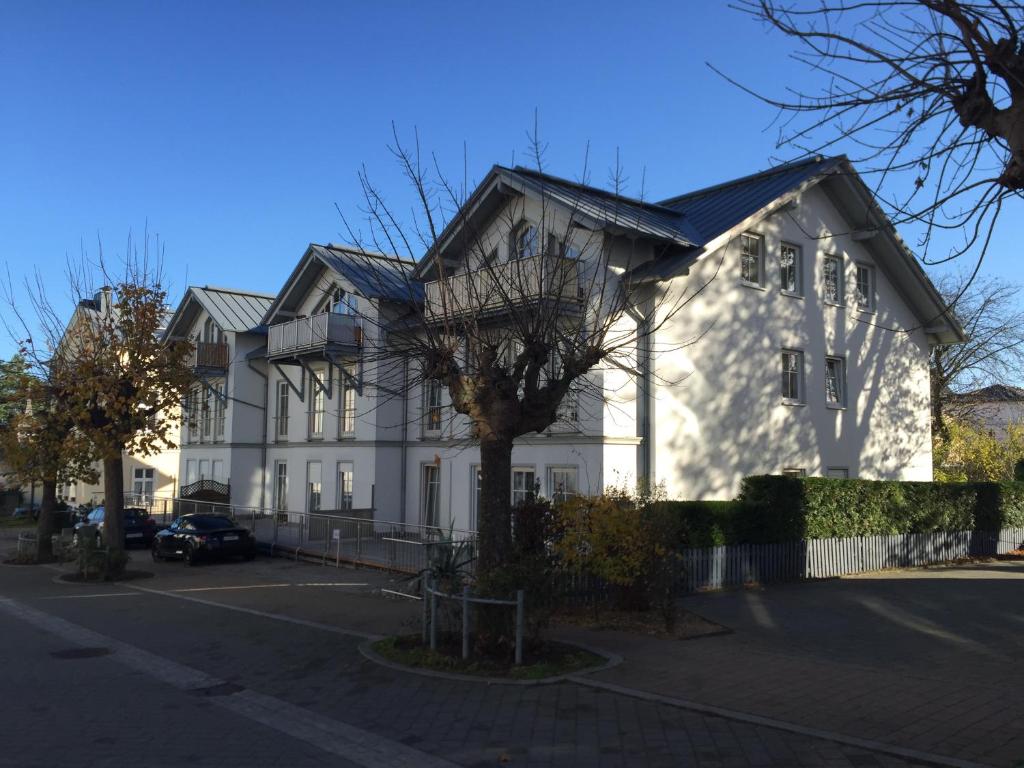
<point>792,376</point>
<point>794,472</point>
<point>343,498</point>
<point>790,269</point>
<point>833,285</point>
<point>865,288</point>
<point>314,486</point>
<point>218,471</point>
<point>432,406</point>
<point>562,483</point>
<point>316,410</point>
<point>281,486</point>
<point>347,415</point>
<point>751,252</point>
<point>207,421</point>
<point>193,414</point>
<point>526,242</point>
<point>431,495</point>
<point>841,473</point>
<point>204,469</point>
<point>339,302</point>
<point>212,333</point>
<point>282,410</point>
<point>219,406</point>
<point>524,484</point>
<point>190,471</point>
<point>835,382</point>
<point>142,484</point>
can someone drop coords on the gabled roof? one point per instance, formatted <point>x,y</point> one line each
<point>233,310</point>
<point>373,275</point>
<point>713,210</point>
<point>992,394</point>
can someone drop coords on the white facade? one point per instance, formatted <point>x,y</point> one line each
<point>803,349</point>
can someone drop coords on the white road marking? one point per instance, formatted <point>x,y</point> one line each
<point>263,614</point>
<point>98,594</point>
<point>273,586</point>
<point>347,741</point>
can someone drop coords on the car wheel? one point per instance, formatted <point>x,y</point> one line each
<point>190,555</point>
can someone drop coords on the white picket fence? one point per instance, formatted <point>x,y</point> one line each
<point>734,565</point>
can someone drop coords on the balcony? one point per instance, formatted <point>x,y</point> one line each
<point>210,356</point>
<point>503,286</point>
<point>314,335</point>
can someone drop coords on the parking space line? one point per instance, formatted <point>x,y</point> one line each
<point>272,586</point>
<point>98,594</point>
<point>263,614</point>
<point>364,748</point>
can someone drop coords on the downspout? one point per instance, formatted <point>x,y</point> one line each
<point>263,442</point>
<point>405,433</point>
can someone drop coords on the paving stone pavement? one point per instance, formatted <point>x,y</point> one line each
<point>470,724</point>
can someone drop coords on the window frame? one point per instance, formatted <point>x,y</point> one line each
<point>516,253</point>
<point>425,485</point>
<point>839,404</point>
<point>840,280</point>
<point>319,483</point>
<point>872,282</point>
<point>475,485</point>
<point>794,472</point>
<point>280,500</point>
<point>219,410</point>
<point>798,270</point>
<point>340,484</point>
<point>347,411</point>
<point>801,398</point>
<point>281,419</point>
<point>844,470</point>
<point>317,411</point>
<point>551,469</point>
<point>523,494</point>
<point>760,240</point>
<point>431,409</point>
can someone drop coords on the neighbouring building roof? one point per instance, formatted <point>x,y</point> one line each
<point>232,310</point>
<point>992,394</point>
<point>373,275</point>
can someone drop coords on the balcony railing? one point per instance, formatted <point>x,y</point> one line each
<point>504,285</point>
<point>212,355</point>
<point>314,333</point>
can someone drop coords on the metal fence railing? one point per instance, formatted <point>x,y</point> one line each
<point>349,536</point>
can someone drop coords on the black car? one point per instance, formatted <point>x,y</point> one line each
<point>203,537</point>
<point>138,527</point>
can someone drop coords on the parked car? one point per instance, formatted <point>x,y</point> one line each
<point>23,513</point>
<point>198,537</point>
<point>139,528</point>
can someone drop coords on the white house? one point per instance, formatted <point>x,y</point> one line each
<point>997,408</point>
<point>804,351</point>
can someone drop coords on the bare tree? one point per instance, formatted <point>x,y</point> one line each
<point>928,93</point>
<point>991,315</point>
<point>522,307</point>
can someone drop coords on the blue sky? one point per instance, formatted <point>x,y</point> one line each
<point>233,129</point>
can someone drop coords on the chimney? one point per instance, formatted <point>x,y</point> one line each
<point>103,299</point>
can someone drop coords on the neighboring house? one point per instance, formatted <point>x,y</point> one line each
<point>811,355</point>
<point>145,477</point>
<point>995,408</point>
<point>222,435</point>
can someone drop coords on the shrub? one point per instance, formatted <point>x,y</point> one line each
<point>1018,471</point>
<point>704,523</point>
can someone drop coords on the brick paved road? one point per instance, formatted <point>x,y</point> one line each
<point>321,674</point>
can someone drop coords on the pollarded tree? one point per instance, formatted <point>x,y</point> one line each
<point>927,95</point>
<point>525,304</point>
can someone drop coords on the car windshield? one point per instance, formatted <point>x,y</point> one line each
<point>211,522</point>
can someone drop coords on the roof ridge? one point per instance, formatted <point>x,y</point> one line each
<point>667,202</point>
<point>363,252</point>
<point>221,289</point>
<point>590,188</point>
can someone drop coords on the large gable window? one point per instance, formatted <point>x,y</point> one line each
<point>339,302</point>
<point>526,242</point>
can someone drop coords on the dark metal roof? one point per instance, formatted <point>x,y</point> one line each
<point>714,210</point>
<point>606,207</point>
<point>237,311</point>
<point>373,275</point>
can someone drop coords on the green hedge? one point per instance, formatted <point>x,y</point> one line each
<point>773,508</point>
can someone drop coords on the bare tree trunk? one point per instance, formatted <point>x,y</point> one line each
<point>494,520</point>
<point>113,514</point>
<point>44,526</point>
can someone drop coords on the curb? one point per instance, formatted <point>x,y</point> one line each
<point>612,660</point>
<point>780,725</point>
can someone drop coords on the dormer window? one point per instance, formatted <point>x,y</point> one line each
<point>526,242</point>
<point>339,302</point>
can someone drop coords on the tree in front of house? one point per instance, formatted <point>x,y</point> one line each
<point>123,386</point>
<point>528,303</point>
<point>39,442</point>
